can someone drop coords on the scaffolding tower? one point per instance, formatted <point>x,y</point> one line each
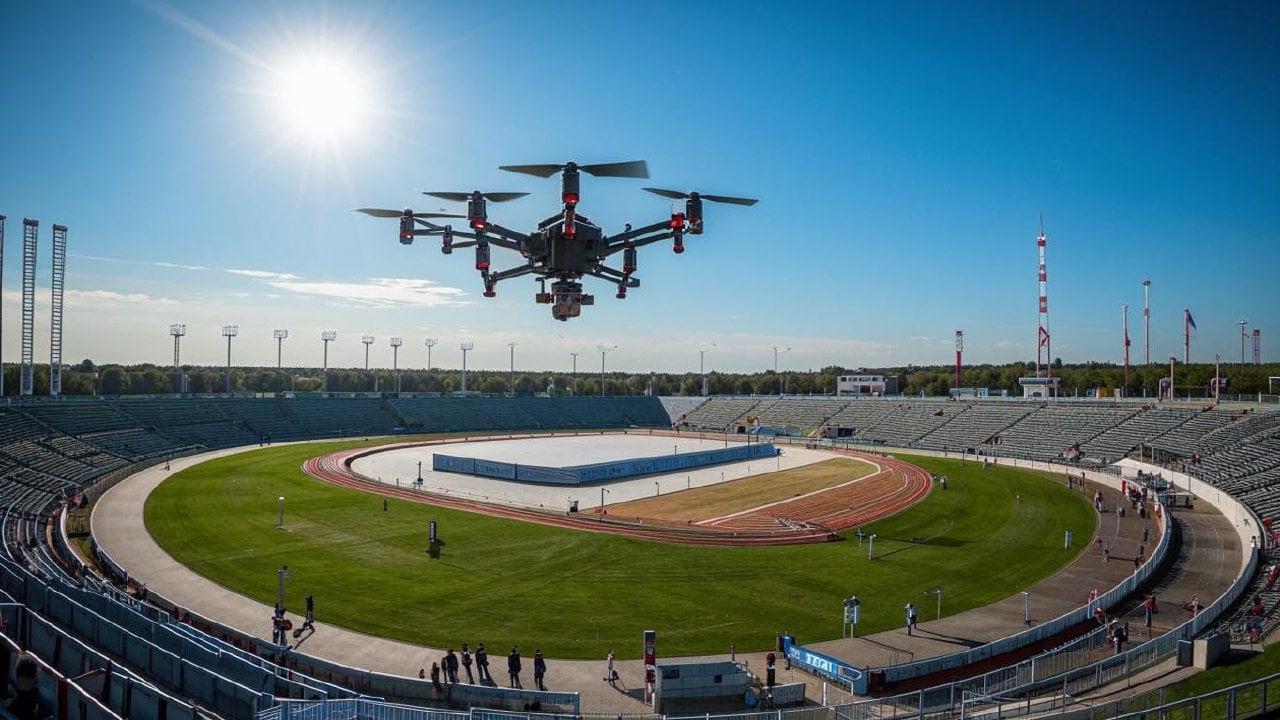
<point>55,305</point>
<point>30,231</point>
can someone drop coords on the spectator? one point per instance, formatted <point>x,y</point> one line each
<point>539,669</point>
<point>514,667</point>
<point>25,704</point>
<point>482,663</point>
<point>466,663</point>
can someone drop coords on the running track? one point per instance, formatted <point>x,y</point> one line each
<point>814,517</point>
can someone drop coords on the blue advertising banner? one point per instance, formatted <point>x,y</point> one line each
<point>599,472</point>
<point>826,666</point>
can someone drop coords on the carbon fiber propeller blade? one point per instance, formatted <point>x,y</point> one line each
<point>464,196</point>
<point>677,195</point>
<point>385,213</point>
<point>630,168</point>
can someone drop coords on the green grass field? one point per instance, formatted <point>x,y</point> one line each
<point>577,594</point>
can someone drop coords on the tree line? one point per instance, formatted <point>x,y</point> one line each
<point>87,378</point>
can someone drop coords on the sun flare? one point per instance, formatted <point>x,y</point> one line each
<point>321,99</point>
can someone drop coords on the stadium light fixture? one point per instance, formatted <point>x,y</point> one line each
<point>604,350</point>
<point>229,331</point>
<point>465,347</point>
<point>396,342</point>
<point>430,343</point>
<point>280,336</point>
<point>327,336</point>
<point>702,370</point>
<point>781,385</point>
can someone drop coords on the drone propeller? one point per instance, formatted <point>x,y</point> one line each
<point>629,169</point>
<point>385,213</point>
<point>465,196</point>
<point>677,195</point>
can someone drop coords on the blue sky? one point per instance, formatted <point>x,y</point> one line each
<point>902,153</point>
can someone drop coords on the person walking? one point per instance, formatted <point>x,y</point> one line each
<point>451,666</point>
<point>514,667</point>
<point>482,663</point>
<point>911,617</point>
<point>539,669</point>
<point>466,664</point>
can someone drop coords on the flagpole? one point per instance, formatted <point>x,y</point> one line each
<point>1125,310</point>
<point>1186,336</point>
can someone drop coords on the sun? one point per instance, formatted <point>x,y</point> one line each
<point>321,99</point>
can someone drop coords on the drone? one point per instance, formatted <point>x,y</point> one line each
<point>564,247</point>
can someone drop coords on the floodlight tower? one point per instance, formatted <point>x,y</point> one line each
<point>229,331</point>
<point>1172,359</point>
<point>1242,323</point>
<point>1257,346</point>
<point>1124,310</point>
<point>575,374</point>
<point>395,360</point>
<point>57,283</point>
<point>513,368</point>
<point>465,347</point>
<point>1146,322</point>
<point>959,357</point>
<point>367,340</point>
<point>1042,332</point>
<point>177,330</point>
<point>604,350</point>
<point>430,343</point>
<point>327,336</point>
<point>702,367</point>
<point>279,334</point>
<point>776,350</point>
<point>30,234</point>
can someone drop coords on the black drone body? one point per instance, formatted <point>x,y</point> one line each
<point>566,246</point>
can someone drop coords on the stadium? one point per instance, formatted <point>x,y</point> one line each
<point>305,514</point>
<point>120,634</point>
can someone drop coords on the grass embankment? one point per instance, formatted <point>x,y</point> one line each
<point>575,593</point>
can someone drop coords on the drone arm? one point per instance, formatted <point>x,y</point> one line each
<point>613,276</point>
<point>616,246</point>
<point>510,273</point>
<point>623,237</point>
<point>512,238</point>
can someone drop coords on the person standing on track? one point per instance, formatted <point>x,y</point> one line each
<point>911,616</point>
<point>514,666</point>
<point>466,663</point>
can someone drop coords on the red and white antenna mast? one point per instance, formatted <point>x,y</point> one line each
<point>1146,322</point>
<point>1042,346</point>
<point>959,355</point>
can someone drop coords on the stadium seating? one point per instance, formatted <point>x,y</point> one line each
<point>49,451</point>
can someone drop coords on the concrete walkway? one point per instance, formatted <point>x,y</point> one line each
<point>1209,561</point>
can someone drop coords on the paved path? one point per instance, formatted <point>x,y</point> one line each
<point>1210,560</point>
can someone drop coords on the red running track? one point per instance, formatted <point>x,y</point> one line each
<point>815,517</point>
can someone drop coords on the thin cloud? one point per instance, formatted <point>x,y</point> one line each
<point>148,263</point>
<point>379,292</point>
<point>98,297</point>
<point>265,275</point>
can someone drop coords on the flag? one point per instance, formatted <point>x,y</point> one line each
<point>1190,320</point>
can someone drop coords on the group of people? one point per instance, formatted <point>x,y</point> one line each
<point>446,669</point>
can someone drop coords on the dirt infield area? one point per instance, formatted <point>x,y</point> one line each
<point>802,505</point>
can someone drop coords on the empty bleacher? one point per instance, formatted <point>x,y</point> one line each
<point>720,414</point>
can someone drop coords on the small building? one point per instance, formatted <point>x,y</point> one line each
<point>873,385</point>
<point>1039,387</point>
